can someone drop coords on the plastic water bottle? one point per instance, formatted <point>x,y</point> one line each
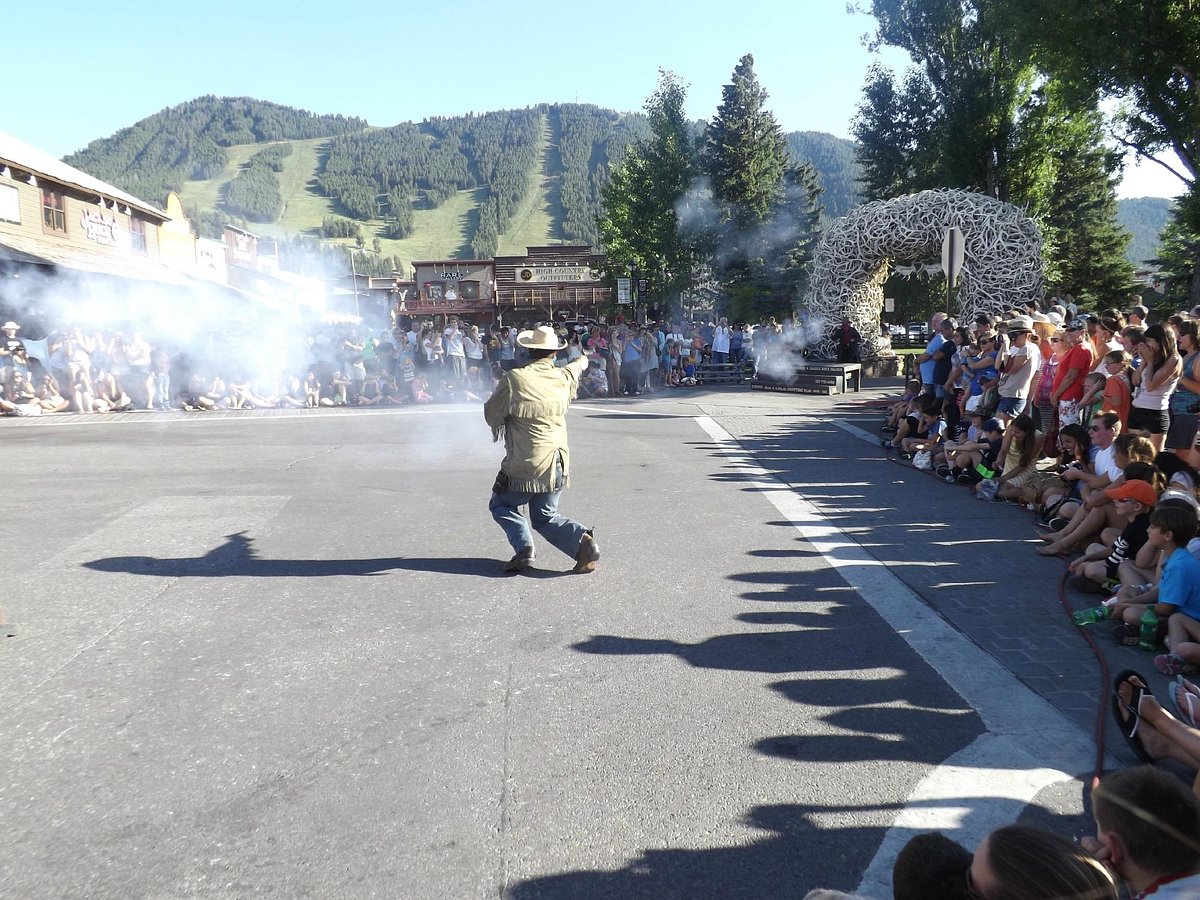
<point>1091,616</point>
<point>1148,633</point>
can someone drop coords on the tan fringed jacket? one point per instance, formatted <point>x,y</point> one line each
<point>529,407</point>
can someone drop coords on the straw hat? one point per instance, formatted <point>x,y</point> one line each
<point>541,338</point>
<point>1020,323</point>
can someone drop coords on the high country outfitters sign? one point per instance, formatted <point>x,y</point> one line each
<point>555,274</point>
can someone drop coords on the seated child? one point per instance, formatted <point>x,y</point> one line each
<point>928,432</point>
<point>972,461</point>
<point>1132,500</point>
<point>1172,526</point>
<point>898,410</point>
<point>1019,455</point>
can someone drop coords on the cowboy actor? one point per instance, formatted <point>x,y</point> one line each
<point>529,408</point>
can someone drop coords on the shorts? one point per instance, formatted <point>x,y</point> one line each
<point>1184,431</point>
<point>1011,406</point>
<point>1068,413</point>
<point>1155,421</point>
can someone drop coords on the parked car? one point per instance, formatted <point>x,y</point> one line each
<point>916,330</point>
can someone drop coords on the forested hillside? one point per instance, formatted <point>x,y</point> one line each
<point>188,142</point>
<point>1144,218</point>
<point>835,162</point>
<point>470,185</point>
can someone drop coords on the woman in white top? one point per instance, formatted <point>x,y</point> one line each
<point>1154,380</point>
<point>431,343</point>
<point>720,341</point>
<point>473,347</point>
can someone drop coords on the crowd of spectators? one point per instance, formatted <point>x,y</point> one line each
<point>121,370</point>
<point>1090,422</point>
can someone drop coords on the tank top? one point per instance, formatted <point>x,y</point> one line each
<point>1184,400</point>
<point>1157,399</point>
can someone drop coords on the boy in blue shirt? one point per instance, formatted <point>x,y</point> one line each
<point>1172,526</point>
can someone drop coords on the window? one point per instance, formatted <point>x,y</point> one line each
<point>54,210</point>
<point>137,234</point>
<point>10,205</point>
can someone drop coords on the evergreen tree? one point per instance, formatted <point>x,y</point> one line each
<point>639,220</point>
<point>745,151</point>
<point>975,115</point>
<point>1145,53</point>
<point>797,217</point>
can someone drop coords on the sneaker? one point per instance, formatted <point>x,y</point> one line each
<point>943,471</point>
<point>522,561</point>
<point>886,444</point>
<point>964,478</point>
<point>588,555</point>
<point>1058,523</point>
<point>890,429</point>
<point>1126,635</point>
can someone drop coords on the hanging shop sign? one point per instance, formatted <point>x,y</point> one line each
<point>99,227</point>
<point>547,274</point>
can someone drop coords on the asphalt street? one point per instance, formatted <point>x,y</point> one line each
<point>275,654</point>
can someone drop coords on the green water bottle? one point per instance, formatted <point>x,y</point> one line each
<point>1091,616</point>
<point>1148,633</point>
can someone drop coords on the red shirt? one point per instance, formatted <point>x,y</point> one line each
<point>1080,359</point>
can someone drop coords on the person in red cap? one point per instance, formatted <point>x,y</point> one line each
<point>1132,501</point>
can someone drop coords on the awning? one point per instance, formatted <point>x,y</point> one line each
<point>22,249</point>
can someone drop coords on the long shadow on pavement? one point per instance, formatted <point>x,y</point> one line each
<point>238,558</point>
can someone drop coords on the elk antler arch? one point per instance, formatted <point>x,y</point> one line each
<point>1002,265</point>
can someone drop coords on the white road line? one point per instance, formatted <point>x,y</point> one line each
<point>1029,745</point>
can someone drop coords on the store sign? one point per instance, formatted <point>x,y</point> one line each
<point>548,274</point>
<point>623,292</point>
<point>99,227</point>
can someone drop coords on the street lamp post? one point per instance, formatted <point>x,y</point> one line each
<point>633,295</point>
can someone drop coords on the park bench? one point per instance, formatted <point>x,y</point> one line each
<point>721,373</point>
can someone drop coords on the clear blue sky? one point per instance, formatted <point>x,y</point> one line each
<point>99,67</point>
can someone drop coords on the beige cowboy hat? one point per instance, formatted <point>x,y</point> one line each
<point>1020,323</point>
<point>541,338</point>
<point>10,326</point>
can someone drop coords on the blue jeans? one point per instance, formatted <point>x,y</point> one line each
<point>162,389</point>
<point>563,533</point>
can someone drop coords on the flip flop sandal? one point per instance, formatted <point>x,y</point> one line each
<point>1189,711</point>
<point>1127,713</point>
<point>1170,664</point>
